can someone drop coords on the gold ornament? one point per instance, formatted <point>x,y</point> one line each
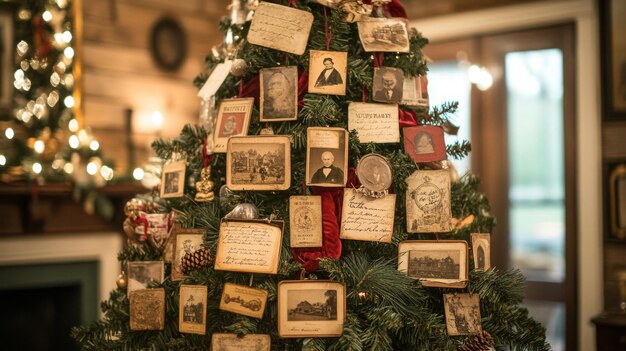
<point>204,187</point>
<point>121,281</point>
<point>239,67</point>
<point>133,207</point>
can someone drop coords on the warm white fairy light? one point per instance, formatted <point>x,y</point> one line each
<point>3,160</point>
<point>68,168</point>
<point>138,173</point>
<point>46,15</point>
<point>68,52</point>
<point>58,37</point>
<point>73,125</point>
<point>67,36</point>
<point>61,3</point>
<point>74,142</point>
<point>37,167</point>
<point>9,133</point>
<point>92,168</point>
<point>68,101</point>
<point>39,146</point>
<point>83,136</point>
<point>157,119</point>
<point>58,163</point>
<point>106,173</point>
<point>94,145</point>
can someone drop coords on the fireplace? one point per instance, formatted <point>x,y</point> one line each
<point>50,283</point>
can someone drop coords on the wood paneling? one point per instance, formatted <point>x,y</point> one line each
<point>119,72</point>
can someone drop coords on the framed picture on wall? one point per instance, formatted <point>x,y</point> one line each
<point>6,61</point>
<point>616,196</point>
<point>612,31</point>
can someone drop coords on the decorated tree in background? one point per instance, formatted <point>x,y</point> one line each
<point>378,298</point>
<point>41,138</point>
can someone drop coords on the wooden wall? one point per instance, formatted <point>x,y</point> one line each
<point>119,72</point>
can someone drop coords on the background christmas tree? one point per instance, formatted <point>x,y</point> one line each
<point>386,310</point>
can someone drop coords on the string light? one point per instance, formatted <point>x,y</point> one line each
<point>68,52</point>
<point>68,101</point>
<point>157,119</point>
<point>138,173</point>
<point>94,145</point>
<point>37,167</point>
<point>39,146</point>
<point>74,142</point>
<point>9,133</point>
<point>3,160</point>
<point>67,36</point>
<point>106,173</point>
<point>46,15</point>
<point>68,168</point>
<point>92,168</point>
<point>73,125</point>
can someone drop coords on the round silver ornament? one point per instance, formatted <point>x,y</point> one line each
<point>375,174</point>
<point>243,211</point>
<point>239,67</point>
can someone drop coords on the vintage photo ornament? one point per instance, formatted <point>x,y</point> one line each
<point>375,175</point>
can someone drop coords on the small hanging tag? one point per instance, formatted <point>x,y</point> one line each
<point>217,77</point>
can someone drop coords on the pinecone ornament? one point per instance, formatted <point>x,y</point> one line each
<point>195,260</point>
<point>479,342</point>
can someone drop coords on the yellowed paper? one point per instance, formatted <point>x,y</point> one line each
<point>248,247</point>
<point>192,309</point>
<point>232,342</point>
<point>305,221</point>
<point>367,218</point>
<point>375,123</point>
<point>428,202</point>
<point>280,27</point>
<point>243,300</point>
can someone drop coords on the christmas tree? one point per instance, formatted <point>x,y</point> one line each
<point>327,232</point>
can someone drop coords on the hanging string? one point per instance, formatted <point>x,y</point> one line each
<point>363,94</point>
<point>437,236</point>
<point>304,187</point>
<point>240,89</point>
<point>329,34</point>
<point>286,60</point>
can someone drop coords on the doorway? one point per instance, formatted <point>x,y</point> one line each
<point>516,96</point>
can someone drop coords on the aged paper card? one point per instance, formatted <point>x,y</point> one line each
<point>192,309</point>
<point>217,77</point>
<point>481,250</point>
<point>367,218</point>
<point>462,314</point>
<point>375,123</point>
<point>384,34</point>
<point>249,342</point>
<point>435,263</point>
<point>415,91</point>
<point>243,300</point>
<point>327,157</point>
<point>147,309</point>
<point>233,119</point>
<point>428,202</point>
<point>280,27</point>
<point>305,221</point>
<point>311,308</point>
<point>173,180</point>
<point>249,246</point>
<point>327,72</point>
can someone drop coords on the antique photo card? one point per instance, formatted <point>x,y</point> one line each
<point>258,163</point>
<point>147,309</point>
<point>375,174</point>
<point>415,91</point>
<point>141,273</point>
<point>428,202</point>
<point>424,143</point>
<point>249,246</point>
<point>367,218</point>
<point>481,250</point>
<point>435,263</point>
<point>279,94</point>
<point>305,221</point>
<point>384,35</point>
<point>280,27</point>
<point>186,242</point>
<point>158,229</point>
<point>328,72</point>
<point>312,308</point>
<point>326,157</point>
<point>192,309</point>
<point>374,123</point>
<point>388,85</point>
<point>232,342</point>
<point>173,180</point>
<point>243,300</point>
<point>233,119</point>
<point>462,314</point>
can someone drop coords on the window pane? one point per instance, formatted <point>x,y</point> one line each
<point>534,82</point>
<point>448,82</point>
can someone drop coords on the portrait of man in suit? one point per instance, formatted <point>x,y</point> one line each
<point>388,83</point>
<point>328,173</point>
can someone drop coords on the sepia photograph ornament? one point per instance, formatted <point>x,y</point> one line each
<point>204,187</point>
<point>243,211</point>
<point>375,175</point>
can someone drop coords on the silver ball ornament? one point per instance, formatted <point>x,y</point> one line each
<point>243,211</point>
<point>239,67</point>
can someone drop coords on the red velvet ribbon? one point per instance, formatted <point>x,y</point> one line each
<point>292,3</point>
<point>44,46</point>
<point>379,58</point>
<point>206,157</point>
<point>407,118</point>
<point>393,9</point>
